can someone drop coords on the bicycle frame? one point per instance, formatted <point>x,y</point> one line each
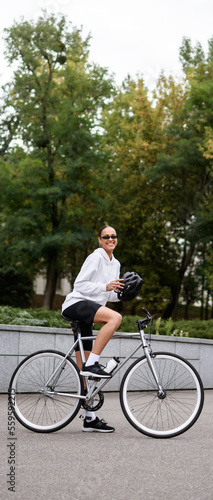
<point>92,389</point>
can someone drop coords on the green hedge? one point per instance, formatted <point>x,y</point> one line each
<point>31,317</point>
<point>182,328</point>
<point>194,329</point>
<point>53,319</point>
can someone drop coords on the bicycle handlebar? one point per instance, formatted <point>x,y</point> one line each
<point>145,321</point>
<point>147,313</point>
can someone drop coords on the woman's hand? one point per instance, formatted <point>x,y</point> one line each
<point>116,285</point>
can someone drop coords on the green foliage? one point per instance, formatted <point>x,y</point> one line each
<point>191,56</point>
<point>182,328</point>
<point>168,326</point>
<point>31,317</point>
<point>41,317</point>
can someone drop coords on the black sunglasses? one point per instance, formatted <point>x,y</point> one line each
<point>106,237</point>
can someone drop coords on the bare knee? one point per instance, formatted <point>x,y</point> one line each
<point>108,317</point>
<point>116,319</point>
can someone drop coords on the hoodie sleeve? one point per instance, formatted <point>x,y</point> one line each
<point>113,297</point>
<point>86,280</point>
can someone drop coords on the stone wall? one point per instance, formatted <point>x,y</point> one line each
<point>16,342</point>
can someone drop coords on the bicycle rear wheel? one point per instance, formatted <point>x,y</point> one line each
<point>156,415</point>
<point>39,406</point>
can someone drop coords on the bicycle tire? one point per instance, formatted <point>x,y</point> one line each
<point>30,402</point>
<point>170,416</point>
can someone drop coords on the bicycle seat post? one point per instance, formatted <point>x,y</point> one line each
<point>81,347</point>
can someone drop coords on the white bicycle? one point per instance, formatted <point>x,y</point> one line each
<point>161,394</point>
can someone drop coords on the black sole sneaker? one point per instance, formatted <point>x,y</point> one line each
<point>96,425</point>
<point>95,370</point>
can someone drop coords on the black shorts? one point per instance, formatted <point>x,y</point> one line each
<point>83,311</point>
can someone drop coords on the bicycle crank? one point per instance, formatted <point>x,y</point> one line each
<point>95,403</point>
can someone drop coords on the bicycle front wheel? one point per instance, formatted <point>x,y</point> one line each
<point>154,414</point>
<point>44,391</point>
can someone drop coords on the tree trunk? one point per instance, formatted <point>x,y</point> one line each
<point>186,313</point>
<point>52,275</point>
<point>171,309</point>
<point>207,305</point>
<point>202,299</point>
<point>212,306</point>
<point>203,283</point>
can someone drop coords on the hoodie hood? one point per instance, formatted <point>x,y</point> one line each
<point>104,253</point>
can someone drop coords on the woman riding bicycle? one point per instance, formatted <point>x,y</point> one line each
<point>95,285</point>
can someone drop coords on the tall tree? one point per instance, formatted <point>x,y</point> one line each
<point>56,97</point>
<point>159,167</point>
<point>134,136</point>
<point>184,169</point>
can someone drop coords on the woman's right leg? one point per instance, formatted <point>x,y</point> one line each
<point>86,311</point>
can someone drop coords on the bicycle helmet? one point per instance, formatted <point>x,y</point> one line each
<point>132,285</point>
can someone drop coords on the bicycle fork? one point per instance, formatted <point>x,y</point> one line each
<point>148,353</point>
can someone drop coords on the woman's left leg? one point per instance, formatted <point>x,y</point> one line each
<point>112,321</point>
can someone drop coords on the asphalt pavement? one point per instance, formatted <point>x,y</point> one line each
<point>74,465</point>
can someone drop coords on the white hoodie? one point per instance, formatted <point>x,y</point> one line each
<point>97,271</point>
